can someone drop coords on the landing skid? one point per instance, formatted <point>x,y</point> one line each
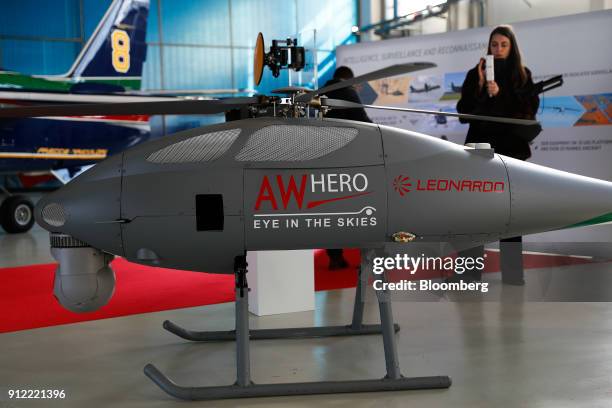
<point>245,388</point>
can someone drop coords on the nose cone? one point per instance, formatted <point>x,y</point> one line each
<point>544,199</point>
<point>88,207</point>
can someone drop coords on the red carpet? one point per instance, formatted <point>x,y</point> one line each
<point>27,302</point>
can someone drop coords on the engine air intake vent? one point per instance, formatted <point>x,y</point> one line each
<point>53,214</point>
<point>196,149</point>
<point>294,143</point>
<point>65,241</point>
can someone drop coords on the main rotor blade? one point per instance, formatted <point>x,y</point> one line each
<point>180,107</point>
<point>341,104</point>
<point>371,76</point>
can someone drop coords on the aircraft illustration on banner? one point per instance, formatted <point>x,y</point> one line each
<point>426,88</point>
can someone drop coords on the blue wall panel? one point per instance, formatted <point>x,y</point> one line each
<point>151,70</point>
<point>38,57</point>
<point>93,10</point>
<point>204,68</point>
<point>276,19</point>
<point>326,65</point>
<point>41,18</point>
<point>243,68</point>
<point>153,22</point>
<point>204,22</point>
<point>332,20</point>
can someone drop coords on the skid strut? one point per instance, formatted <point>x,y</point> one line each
<point>244,387</point>
<point>355,328</point>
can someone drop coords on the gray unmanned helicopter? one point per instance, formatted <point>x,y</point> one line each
<point>199,199</point>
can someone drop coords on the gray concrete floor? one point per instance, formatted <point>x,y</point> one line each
<point>511,352</point>
<point>25,249</point>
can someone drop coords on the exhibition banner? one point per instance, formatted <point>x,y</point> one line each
<point>576,118</point>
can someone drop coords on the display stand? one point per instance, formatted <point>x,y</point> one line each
<point>281,281</point>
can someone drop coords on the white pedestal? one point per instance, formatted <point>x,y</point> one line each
<point>281,281</point>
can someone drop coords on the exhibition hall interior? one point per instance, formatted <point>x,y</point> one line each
<point>305,202</point>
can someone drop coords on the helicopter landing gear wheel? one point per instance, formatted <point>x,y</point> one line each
<point>17,214</point>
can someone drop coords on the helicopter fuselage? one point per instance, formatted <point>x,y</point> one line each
<point>197,199</point>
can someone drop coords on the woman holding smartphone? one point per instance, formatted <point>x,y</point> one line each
<point>510,95</point>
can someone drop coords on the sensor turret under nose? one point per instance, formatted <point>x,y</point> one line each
<point>84,280</point>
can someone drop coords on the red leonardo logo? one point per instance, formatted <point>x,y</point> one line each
<point>402,184</point>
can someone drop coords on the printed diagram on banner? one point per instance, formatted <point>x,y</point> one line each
<point>452,85</point>
<point>426,88</point>
<point>559,111</point>
<point>580,110</point>
<point>597,109</point>
<point>387,92</point>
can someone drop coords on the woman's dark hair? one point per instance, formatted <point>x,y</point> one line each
<point>343,72</point>
<point>514,60</point>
